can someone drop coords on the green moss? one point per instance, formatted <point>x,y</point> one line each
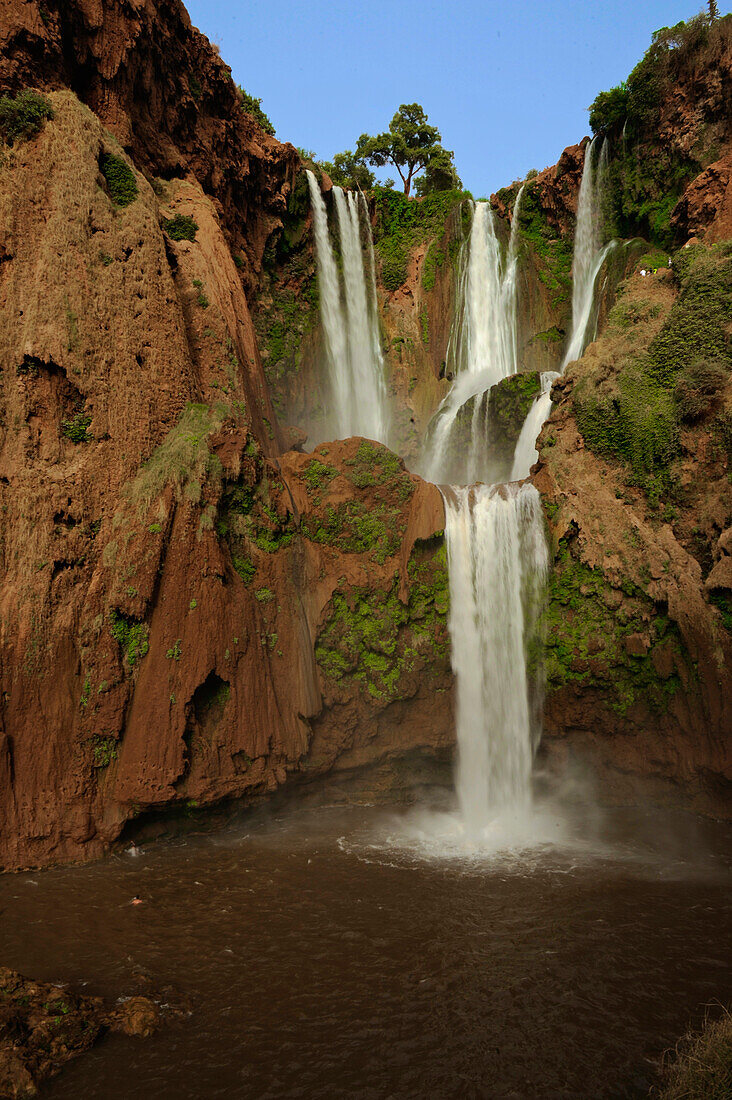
<point>375,464</point>
<point>554,252</point>
<point>357,528</point>
<point>585,637</point>
<point>509,403</point>
<point>373,641</point>
<point>722,600</point>
<point>181,227</point>
<point>130,635</point>
<point>120,179</point>
<point>264,595</point>
<point>403,223</point>
<point>433,261</point>
<point>245,567</point>
<point>104,751</point>
<point>698,326</point>
<point>318,475</point>
<point>637,423</point>
<point>22,117</point>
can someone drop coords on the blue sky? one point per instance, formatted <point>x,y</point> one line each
<point>508,84</point>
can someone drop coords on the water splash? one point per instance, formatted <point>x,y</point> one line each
<point>483,350</point>
<point>349,317</point>
<point>498,563</point>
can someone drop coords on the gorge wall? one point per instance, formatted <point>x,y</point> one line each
<point>191,612</point>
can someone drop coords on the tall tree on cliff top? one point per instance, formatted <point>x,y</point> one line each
<point>410,144</point>
<point>713,11</point>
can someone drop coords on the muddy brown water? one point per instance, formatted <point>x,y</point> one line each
<point>325,958</point>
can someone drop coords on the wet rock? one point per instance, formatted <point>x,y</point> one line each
<point>637,645</point>
<point>137,1016</point>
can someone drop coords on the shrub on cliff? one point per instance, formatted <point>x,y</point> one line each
<point>22,118</point>
<point>120,179</point>
<point>181,227</point>
<point>253,106</point>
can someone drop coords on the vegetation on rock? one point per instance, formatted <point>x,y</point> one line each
<point>253,106</point>
<point>22,116</point>
<point>181,227</point>
<point>120,179</point>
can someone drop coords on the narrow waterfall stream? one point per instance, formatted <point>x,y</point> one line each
<point>483,351</point>
<point>355,367</point>
<point>589,256</point>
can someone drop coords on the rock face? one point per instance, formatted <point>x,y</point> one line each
<point>165,572</point>
<point>162,90</point>
<point>639,635</point>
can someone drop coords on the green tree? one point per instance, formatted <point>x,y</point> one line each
<point>713,11</point>
<point>439,175</point>
<point>409,144</point>
<point>348,170</point>
<point>253,106</point>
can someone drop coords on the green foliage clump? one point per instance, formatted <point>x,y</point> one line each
<point>373,640</point>
<point>347,170</point>
<point>22,117</point>
<point>636,424</point>
<point>120,179</point>
<point>509,403</point>
<point>549,245</point>
<point>183,458</point>
<point>104,751</point>
<point>355,528</point>
<point>245,567</point>
<point>181,227</point>
<point>698,388</point>
<point>401,225</point>
<point>76,428</point>
<point>130,635</point>
<point>699,324</point>
<point>585,638</point>
<point>264,595</point>
<point>253,106</point>
<point>318,474</point>
<point>433,261</point>
<point>374,464</point>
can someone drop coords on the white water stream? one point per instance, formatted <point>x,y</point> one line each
<point>589,256</point>
<point>349,318</point>
<point>498,561</point>
<point>482,351</point>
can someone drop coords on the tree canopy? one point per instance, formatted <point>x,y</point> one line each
<point>347,170</point>
<point>410,144</point>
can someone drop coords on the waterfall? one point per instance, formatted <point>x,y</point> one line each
<point>498,562</point>
<point>589,253</point>
<point>526,454</point>
<point>483,350</point>
<point>349,317</point>
<point>589,256</point>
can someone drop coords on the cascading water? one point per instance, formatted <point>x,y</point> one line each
<point>498,561</point>
<point>589,256</point>
<point>589,253</point>
<point>349,319</point>
<point>526,454</point>
<point>483,351</point>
